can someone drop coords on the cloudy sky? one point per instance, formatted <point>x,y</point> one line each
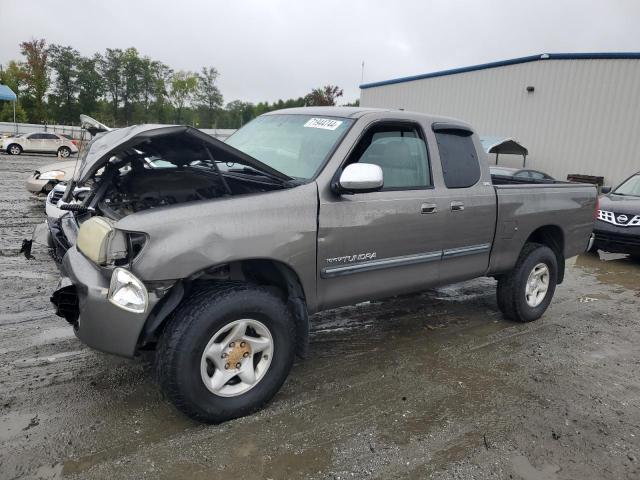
<point>272,49</point>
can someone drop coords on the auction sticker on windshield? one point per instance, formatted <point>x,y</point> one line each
<point>324,123</point>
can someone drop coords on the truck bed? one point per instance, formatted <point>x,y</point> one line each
<point>522,208</point>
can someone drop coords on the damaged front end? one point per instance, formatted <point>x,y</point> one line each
<point>65,300</point>
<point>112,306</point>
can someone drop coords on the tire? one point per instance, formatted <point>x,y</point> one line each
<point>64,152</point>
<point>514,298</point>
<point>181,367</point>
<point>14,149</point>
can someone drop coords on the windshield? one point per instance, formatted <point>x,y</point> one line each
<point>296,145</point>
<point>631,187</point>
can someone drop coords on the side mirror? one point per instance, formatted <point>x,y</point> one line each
<point>605,189</point>
<point>360,178</point>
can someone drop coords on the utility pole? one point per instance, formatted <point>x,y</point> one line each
<point>362,74</point>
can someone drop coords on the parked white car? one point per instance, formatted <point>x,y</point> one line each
<point>39,142</point>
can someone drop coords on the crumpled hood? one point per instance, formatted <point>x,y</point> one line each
<point>620,204</point>
<point>106,145</point>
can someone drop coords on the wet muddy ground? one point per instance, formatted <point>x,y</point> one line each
<point>436,385</point>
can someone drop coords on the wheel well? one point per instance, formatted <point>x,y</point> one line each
<point>553,237</point>
<point>12,144</point>
<point>276,276</point>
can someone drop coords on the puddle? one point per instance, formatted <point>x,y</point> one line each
<point>525,471</point>
<point>611,269</point>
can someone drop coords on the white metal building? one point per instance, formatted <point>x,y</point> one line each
<point>575,113</point>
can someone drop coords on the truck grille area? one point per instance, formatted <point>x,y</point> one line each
<point>54,196</point>
<point>66,302</point>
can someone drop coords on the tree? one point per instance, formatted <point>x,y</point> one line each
<point>240,113</point>
<point>64,62</point>
<point>6,114</point>
<point>36,77</point>
<point>90,84</point>
<point>13,77</point>
<point>183,88</point>
<point>131,74</point>
<point>111,71</point>
<point>151,72</point>
<point>207,95</point>
<point>161,91</point>
<point>323,97</point>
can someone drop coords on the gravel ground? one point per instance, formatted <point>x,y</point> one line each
<point>436,385</point>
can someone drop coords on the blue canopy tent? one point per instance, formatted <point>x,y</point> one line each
<point>7,94</point>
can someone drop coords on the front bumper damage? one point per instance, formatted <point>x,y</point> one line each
<point>81,298</point>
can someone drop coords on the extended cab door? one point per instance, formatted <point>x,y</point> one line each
<point>470,213</point>
<point>372,245</point>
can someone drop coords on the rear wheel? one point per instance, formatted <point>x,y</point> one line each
<point>64,152</point>
<point>525,293</point>
<point>14,149</point>
<point>226,351</point>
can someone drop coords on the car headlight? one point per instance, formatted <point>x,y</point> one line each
<point>127,292</point>
<point>52,175</point>
<point>100,242</point>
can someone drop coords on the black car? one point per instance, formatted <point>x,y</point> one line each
<point>527,175</point>
<point>617,227</point>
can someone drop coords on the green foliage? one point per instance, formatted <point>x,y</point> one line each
<point>182,89</point>
<point>64,61</point>
<point>323,97</point>
<point>90,85</point>
<point>120,87</point>
<point>208,97</point>
<point>36,77</point>
<point>13,76</point>
<point>6,114</point>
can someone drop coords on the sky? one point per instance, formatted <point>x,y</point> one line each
<point>271,49</point>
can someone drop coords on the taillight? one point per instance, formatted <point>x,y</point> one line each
<point>595,213</point>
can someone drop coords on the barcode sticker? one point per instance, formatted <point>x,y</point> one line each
<point>324,123</point>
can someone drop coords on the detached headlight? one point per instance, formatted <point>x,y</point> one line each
<point>127,292</point>
<point>100,242</point>
<point>52,175</point>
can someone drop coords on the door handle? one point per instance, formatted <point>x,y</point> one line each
<point>429,208</point>
<point>457,206</point>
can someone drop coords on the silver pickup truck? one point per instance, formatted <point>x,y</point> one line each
<point>215,254</point>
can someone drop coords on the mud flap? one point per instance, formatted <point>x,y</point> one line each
<point>299,309</point>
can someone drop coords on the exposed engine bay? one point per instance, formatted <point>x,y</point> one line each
<point>165,171</point>
<point>144,188</point>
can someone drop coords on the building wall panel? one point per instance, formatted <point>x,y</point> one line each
<point>583,117</point>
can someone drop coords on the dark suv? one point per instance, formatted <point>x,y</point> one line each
<point>617,228</point>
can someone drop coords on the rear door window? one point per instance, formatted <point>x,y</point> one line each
<point>460,166</point>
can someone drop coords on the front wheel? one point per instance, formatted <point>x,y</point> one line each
<point>226,351</point>
<point>525,293</point>
<point>14,149</point>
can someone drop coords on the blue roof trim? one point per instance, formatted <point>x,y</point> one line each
<point>513,61</point>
